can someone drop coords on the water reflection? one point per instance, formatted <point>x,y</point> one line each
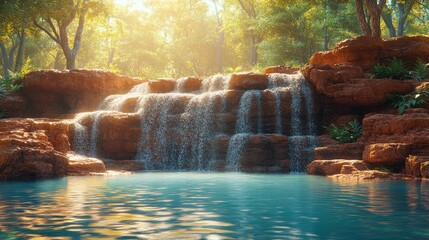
<point>212,206</point>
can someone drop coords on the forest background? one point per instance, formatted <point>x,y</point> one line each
<point>174,38</point>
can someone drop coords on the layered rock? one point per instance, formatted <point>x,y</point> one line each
<point>367,51</point>
<point>335,166</point>
<point>339,151</point>
<point>248,81</point>
<point>81,165</point>
<point>386,154</point>
<point>260,153</point>
<point>54,93</point>
<point>55,130</point>
<point>13,105</point>
<point>346,85</point>
<point>29,155</point>
<point>417,166</point>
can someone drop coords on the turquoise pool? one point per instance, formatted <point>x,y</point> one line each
<point>213,206</point>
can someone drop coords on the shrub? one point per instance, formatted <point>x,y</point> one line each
<point>346,133</point>
<point>420,71</point>
<point>414,99</point>
<point>12,83</point>
<point>2,91</point>
<point>395,69</point>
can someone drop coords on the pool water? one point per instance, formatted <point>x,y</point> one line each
<point>213,206</point>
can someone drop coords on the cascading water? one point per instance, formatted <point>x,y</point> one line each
<point>179,131</point>
<point>244,122</point>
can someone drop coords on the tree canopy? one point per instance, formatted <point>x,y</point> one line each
<point>172,38</point>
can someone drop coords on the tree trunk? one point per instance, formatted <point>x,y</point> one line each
<point>366,29</point>
<point>57,64</point>
<point>375,8</point>
<point>70,61</point>
<point>219,57</point>
<point>20,56</point>
<point>387,18</point>
<point>253,49</point>
<point>5,58</point>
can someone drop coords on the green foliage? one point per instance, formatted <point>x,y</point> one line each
<point>12,83</point>
<point>395,69</point>
<point>346,133</point>
<point>420,71</point>
<point>2,91</point>
<point>414,99</point>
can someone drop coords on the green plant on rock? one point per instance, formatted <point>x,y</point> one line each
<point>395,69</point>
<point>12,83</point>
<point>346,133</point>
<point>420,71</point>
<point>2,91</point>
<point>414,99</point>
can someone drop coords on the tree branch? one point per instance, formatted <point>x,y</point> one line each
<point>57,40</point>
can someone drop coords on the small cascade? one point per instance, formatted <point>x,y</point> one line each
<point>81,135</point>
<point>251,98</point>
<point>210,127</point>
<point>302,140</point>
<point>236,148</point>
<point>217,82</point>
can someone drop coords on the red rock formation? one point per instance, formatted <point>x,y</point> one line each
<point>56,130</point>
<point>262,153</point>
<point>339,151</point>
<point>189,84</point>
<point>53,93</point>
<point>335,166</point>
<point>248,81</point>
<point>281,69</point>
<point>386,154</point>
<point>14,105</point>
<point>369,175</point>
<point>29,155</point>
<point>162,85</point>
<point>366,51</point>
<point>417,166</point>
<point>81,166</point>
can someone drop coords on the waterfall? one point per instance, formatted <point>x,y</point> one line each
<point>244,114</point>
<point>81,135</point>
<point>180,131</point>
<point>301,143</point>
<point>236,148</point>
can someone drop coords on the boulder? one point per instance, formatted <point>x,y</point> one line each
<point>13,105</point>
<point>348,85</point>
<point>339,151</point>
<point>117,136</point>
<point>56,130</point>
<point>281,69</point>
<point>386,154</point>
<point>408,49</point>
<point>363,51</point>
<point>82,165</point>
<point>416,166</point>
<point>248,81</point>
<point>411,128</point>
<point>367,51</point>
<point>54,93</point>
<point>335,166</point>
<point>260,153</point>
<point>188,84</point>
<point>369,175</point>
<point>162,85</point>
<point>29,156</point>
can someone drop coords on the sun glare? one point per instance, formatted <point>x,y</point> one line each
<point>130,4</point>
